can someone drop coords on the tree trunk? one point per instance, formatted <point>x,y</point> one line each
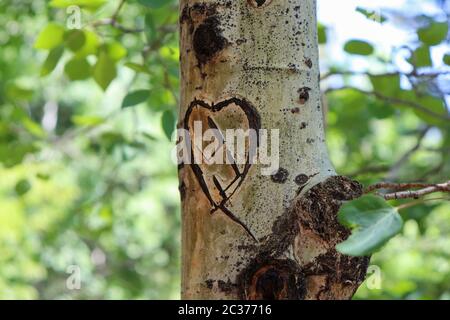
<point>254,64</point>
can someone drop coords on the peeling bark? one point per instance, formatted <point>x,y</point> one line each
<point>254,64</point>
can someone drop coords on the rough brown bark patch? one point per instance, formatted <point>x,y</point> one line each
<point>309,224</point>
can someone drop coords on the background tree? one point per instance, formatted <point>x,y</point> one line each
<point>86,182</point>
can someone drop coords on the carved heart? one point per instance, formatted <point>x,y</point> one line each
<point>220,182</point>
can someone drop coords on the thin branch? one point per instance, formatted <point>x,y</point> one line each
<point>113,21</point>
<point>396,186</point>
<point>418,202</point>
<point>414,74</point>
<point>394,100</point>
<point>119,8</point>
<point>391,170</point>
<point>408,194</point>
<point>396,167</point>
<point>433,171</point>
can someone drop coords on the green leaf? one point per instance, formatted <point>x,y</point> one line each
<point>322,32</point>
<point>357,119</point>
<point>137,67</point>
<point>153,3</point>
<point>104,70</point>
<point>51,37</point>
<point>359,47</point>
<point>380,109</point>
<point>115,51</point>
<point>168,123</point>
<point>388,85</point>
<point>17,92</point>
<point>421,57</point>
<point>22,187</point>
<point>86,4</point>
<point>52,61</point>
<point>75,39</point>
<point>43,176</point>
<point>419,213</point>
<point>91,45</point>
<point>149,136</point>
<point>150,27</point>
<point>13,153</point>
<point>435,105</point>
<point>78,69</point>
<point>87,121</point>
<point>433,34</point>
<point>33,127</point>
<point>428,102</point>
<point>371,15</point>
<point>446,59</point>
<point>373,221</point>
<point>134,98</point>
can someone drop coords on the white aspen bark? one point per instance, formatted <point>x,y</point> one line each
<point>254,64</point>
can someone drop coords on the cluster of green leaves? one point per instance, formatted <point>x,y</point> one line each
<point>384,108</point>
<point>82,44</point>
<point>87,55</point>
<point>86,174</point>
<point>432,33</point>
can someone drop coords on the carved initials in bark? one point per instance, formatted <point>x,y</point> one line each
<point>219,182</point>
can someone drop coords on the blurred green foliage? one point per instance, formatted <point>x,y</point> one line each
<point>86,177</point>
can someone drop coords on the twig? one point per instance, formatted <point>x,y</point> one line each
<point>408,194</point>
<point>394,100</point>
<point>392,174</point>
<point>119,8</point>
<point>413,74</point>
<point>113,21</point>
<point>433,171</point>
<point>417,202</point>
<point>396,186</point>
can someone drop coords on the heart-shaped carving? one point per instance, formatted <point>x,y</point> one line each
<point>220,182</point>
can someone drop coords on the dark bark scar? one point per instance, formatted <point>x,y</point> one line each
<point>208,40</point>
<point>280,176</point>
<point>304,94</point>
<point>259,3</point>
